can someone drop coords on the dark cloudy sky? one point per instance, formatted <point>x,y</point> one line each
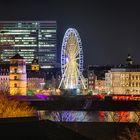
<point>109,29</point>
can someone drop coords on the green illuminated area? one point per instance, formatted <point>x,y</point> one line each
<point>30,39</point>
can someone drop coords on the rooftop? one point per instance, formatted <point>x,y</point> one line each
<point>17,56</point>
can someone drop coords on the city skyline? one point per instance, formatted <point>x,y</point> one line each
<point>31,39</point>
<point>70,69</point>
<point>108,30</point>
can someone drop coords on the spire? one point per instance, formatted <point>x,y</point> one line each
<point>129,60</point>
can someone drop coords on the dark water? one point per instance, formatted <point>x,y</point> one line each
<point>90,116</point>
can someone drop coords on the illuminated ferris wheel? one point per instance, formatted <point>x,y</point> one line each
<point>71,60</point>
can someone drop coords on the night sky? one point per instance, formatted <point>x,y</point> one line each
<point>109,30</point>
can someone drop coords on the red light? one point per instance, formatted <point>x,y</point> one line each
<point>126,97</point>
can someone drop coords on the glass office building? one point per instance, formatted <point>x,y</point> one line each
<point>31,39</point>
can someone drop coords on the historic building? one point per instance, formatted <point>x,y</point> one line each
<point>124,79</point>
<point>100,85</point>
<point>36,77</point>
<point>96,78</point>
<point>18,76</point>
<point>35,65</point>
<point>91,78</point>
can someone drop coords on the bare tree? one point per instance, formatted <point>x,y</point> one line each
<point>66,116</point>
<point>129,134</point>
<point>137,113</point>
<point>4,88</point>
<point>117,116</point>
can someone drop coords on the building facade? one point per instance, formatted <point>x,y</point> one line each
<point>30,39</point>
<point>91,79</point>
<point>18,76</point>
<point>96,78</point>
<point>4,79</point>
<point>100,86</point>
<point>123,80</point>
<point>36,77</point>
<point>35,80</point>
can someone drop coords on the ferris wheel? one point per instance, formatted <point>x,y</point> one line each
<point>71,60</point>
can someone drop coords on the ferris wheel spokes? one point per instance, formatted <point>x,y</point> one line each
<point>71,60</point>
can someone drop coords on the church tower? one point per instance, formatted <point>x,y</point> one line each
<point>18,76</point>
<point>129,60</point>
<point>35,65</point>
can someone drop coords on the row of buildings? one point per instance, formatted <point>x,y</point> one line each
<point>18,78</point>
<point>121,79</point>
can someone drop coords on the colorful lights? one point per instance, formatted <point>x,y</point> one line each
<point>126,97</point>
<point>41,96</point>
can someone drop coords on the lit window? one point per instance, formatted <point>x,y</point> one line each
<point>15,70</point>
<point>15,77</point>
<point>15,85</point>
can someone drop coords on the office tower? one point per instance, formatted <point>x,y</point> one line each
<point>31,39</point>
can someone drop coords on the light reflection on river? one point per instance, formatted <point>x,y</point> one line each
<point>90,116</point>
